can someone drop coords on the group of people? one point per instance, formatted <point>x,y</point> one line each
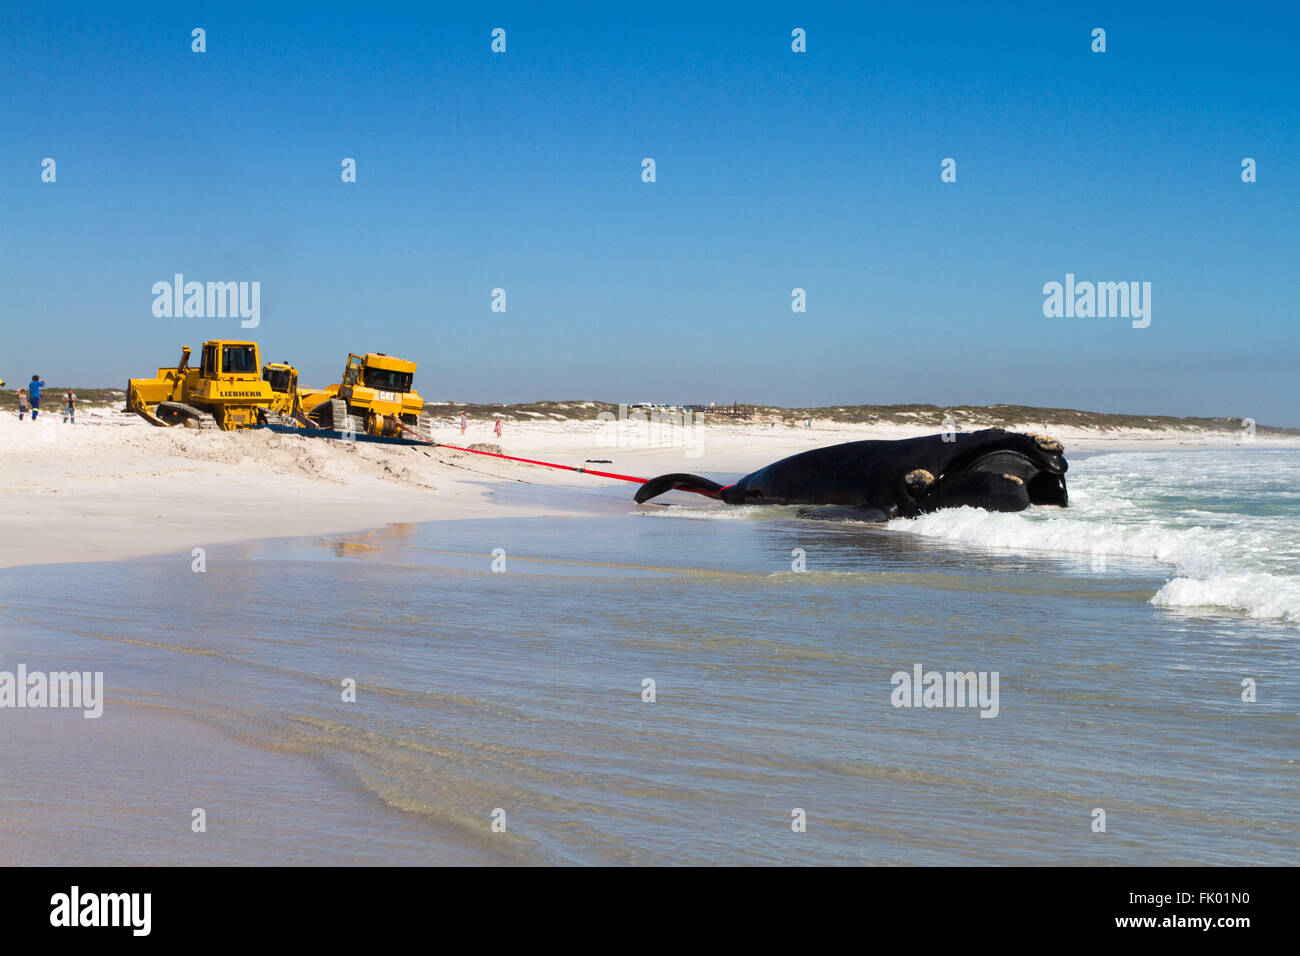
<point>30,397</point>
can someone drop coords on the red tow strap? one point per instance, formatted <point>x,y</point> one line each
<point>547,464</point>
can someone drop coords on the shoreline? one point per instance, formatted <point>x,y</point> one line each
<point>113,488</point>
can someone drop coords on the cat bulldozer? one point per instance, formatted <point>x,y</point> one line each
<point>229,388</point>
<point>374,398</point>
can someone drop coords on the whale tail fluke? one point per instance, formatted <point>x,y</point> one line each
<point>677,482</point>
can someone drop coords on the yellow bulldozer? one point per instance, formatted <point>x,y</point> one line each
<point>374,398</point>
<point>230,387</point>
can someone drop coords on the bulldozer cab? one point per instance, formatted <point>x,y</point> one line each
<point>285,402</point>
<point>229,360</point>
<point>378,371</point>
<point>282,378</point>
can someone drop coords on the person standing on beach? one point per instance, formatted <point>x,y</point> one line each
<point>70,406</point>
<point>498,428</point>
<point>22,403</point>
<point>34,390</point>
<point>463,423</point>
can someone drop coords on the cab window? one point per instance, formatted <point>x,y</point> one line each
<point>239,359</point>
<point>278,378</point>
<point>387,380</point>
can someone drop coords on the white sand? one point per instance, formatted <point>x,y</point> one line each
<point>113,487</point>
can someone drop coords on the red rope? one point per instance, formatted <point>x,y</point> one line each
<point>547,464</point>
<point>532,461</point>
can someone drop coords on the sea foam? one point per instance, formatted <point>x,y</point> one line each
<point>1220,522</point>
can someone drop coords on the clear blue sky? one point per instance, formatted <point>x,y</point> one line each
<point>523,170</point>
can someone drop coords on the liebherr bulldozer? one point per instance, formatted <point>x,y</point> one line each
<point>230,387</point>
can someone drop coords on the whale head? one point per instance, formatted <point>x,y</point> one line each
<point>998,471</point>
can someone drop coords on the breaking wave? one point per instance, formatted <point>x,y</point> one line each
<point>1229,533</point>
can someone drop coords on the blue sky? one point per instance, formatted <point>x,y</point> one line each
<point>775,170</point>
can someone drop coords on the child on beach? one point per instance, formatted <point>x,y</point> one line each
<point>22,403</point>
<point>69,407</point>
<point>34,392</point>
<point>463,423</point>
<point>498,428</point>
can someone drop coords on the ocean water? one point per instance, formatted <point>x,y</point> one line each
<point>1121,631</point>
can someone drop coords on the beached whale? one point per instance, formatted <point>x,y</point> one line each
<point>992,469</point>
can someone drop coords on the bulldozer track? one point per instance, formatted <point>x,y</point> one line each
<point>331,415</point>
<point>179,413</point>
<point>269,417</point>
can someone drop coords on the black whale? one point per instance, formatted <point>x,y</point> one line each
<point>992,469</point>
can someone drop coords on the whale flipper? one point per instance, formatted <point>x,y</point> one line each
<point>980,489</point>
<point>676,482</point>
<point>842,513</point>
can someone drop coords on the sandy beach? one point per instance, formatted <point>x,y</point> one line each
<point>112,487</point>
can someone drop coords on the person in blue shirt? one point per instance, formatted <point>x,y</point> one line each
<point>34,394</point>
